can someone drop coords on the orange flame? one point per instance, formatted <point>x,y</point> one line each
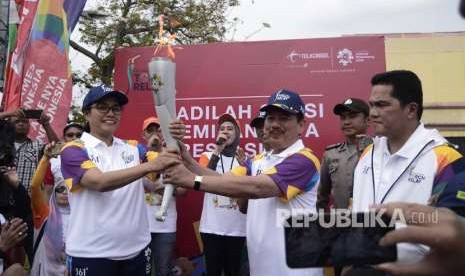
<point>164,40</point>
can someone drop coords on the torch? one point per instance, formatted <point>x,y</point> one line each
<point>162,75</point>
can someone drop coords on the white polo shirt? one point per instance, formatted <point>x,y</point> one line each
<point>112,224</point>
<point>412,174</point>
<point>296,172</point>
<point>220,214</point>
<point>153,202</point>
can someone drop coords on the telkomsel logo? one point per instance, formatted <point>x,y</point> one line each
<point>296,56</point>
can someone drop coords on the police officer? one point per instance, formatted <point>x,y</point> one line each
<point>339,160</point>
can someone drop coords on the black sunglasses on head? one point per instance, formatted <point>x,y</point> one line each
<point>73,134</point>
<point>60,189</point>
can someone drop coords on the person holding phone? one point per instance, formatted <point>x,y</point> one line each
<point>51,212</point>
<point>27,150</point>
<point>286,180</point>
<point>108,230</point>
<point>441,229</point>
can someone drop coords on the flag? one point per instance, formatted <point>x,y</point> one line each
<point>39,75</point>
<point>12,96</point>
<point>46,79</point>
<point>73,9</point>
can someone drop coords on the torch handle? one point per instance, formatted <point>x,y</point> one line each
<point>165,118</point>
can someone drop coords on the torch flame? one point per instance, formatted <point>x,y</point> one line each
<point>164,40</point>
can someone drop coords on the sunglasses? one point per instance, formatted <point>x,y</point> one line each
<point>60,189</point>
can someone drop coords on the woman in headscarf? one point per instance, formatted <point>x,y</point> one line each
<point>222,226</point>
<point>51,215</point>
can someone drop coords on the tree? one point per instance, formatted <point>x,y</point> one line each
<point>125,23</point>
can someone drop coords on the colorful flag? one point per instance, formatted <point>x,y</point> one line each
<point>39,76</point>
<point>46,79</point>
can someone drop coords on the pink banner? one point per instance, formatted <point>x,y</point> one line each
<point>46,85</point>
<point>238,78</point>
<point>12,96</point>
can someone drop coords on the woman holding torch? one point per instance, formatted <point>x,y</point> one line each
<point>108,231</point>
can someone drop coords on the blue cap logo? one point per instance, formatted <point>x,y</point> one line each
<point>286,100</point>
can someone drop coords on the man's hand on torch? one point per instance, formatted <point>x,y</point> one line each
<point>179,175</point>
<point>177,129</point>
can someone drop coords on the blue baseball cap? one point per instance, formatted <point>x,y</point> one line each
<point>286,100</point>
<point>97,93</point>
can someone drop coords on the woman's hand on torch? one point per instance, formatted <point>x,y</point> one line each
<point>164,161</point>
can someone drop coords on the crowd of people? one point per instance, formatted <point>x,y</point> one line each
<point>85,204</point>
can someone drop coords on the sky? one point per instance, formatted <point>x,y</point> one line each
<point>296,19</point>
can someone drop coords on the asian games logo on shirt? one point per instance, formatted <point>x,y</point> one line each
<point>127,157</point>
<point>415,177</point>
<point>94,158</point>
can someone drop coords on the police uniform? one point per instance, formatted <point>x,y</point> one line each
<point>337,170</point>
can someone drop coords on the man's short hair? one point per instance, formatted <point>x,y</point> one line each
<point>406,87</point>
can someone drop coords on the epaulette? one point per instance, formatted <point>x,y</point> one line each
<point>448,144</point>
<point>333,146</point>
<point>132,142</point>
<point>454,146</point>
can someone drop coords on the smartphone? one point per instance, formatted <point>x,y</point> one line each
<point>32,113</point>
<point>319,243</point>
<point>56,149</point>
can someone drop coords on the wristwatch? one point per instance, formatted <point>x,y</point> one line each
<point>197,182</point>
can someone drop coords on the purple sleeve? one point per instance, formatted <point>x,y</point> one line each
<point>296,174</point>
<point>75,162</point>
<point>142,152</point>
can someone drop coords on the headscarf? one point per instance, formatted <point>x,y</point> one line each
<point>230,150</point>
<point>50,255</point>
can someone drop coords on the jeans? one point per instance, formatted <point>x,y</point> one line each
<point>162,246</point>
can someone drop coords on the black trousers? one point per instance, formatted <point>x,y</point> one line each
<point>222,253</point>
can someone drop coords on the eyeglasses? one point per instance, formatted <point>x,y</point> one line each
<point>73,134</point>
<point>104,108</point>
<point>60,189</point>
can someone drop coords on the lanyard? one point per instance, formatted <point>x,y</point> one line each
<point>232,162</point>
<point>395,182</point>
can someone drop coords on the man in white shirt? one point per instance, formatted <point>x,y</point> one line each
<point>406,162</point>
<point>163,233</point>
<point>286,180</point>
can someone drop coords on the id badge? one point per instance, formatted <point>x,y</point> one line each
<point>224,201</point>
